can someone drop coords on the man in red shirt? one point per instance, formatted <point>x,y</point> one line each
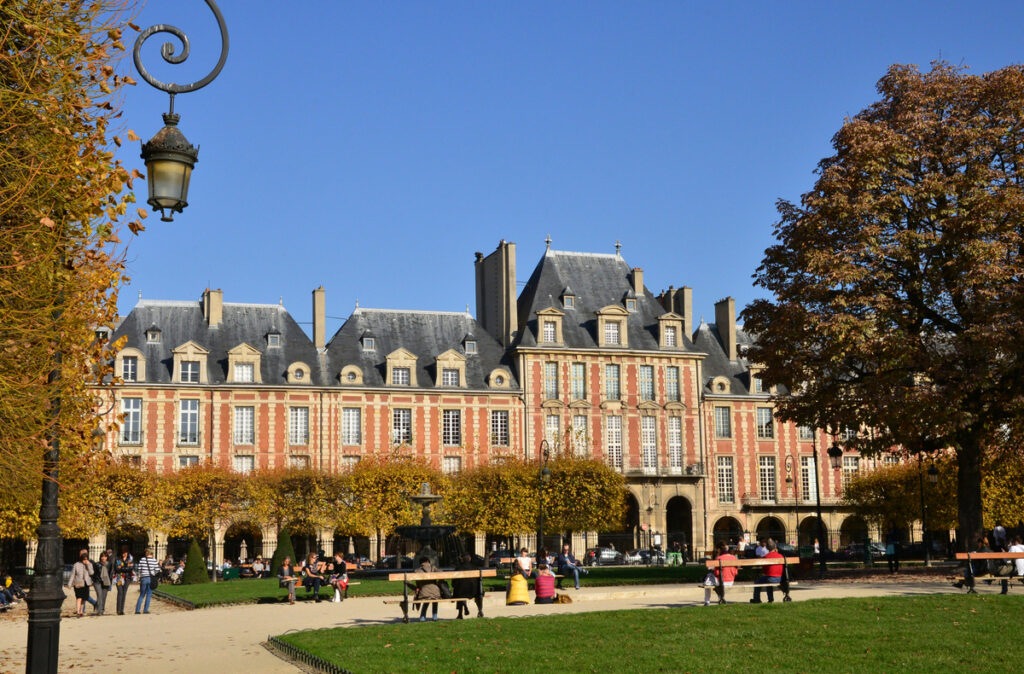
<point>772,575</point>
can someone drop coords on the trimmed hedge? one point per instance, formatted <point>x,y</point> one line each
<point>284,549</point>
<point>195,566</point>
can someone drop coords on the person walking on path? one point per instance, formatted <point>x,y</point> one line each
<point>147,569</point>
<point>892,548</point>
<point>286,578</point>
<point>124,570</point>
<point>81,581</point>
<point>101,582</point>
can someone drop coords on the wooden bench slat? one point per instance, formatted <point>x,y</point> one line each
<point>990,555</point>
<point>426,601</point>
<point>443,575</point>
<point>761,561</point>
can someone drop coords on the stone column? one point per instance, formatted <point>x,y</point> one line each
<point>480,544</point>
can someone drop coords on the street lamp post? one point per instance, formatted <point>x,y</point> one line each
<point>835,455</point>
<point>543,477</point>
<point>933,478</point>
<point>169,161</point>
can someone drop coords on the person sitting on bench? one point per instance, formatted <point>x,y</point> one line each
<point>568,566</point>
<point>728,573</point>
<point>544,586</point>
<point>772,575</point>
<point>427,589</point>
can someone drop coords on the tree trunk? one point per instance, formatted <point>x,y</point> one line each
<point>969,494</point>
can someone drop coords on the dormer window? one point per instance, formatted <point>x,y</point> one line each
<point>298,372</point>
<point>630,305</point>
<point>449,377</point>
<point>611,326</point>
<point>470,346</point>
<point>451,369</point>
<point>401,368</point>
<point>550,324</point>
<point>671,338</point>
<point>549,332</point>
<point>369,344</point>
<point>274,339</point>
<point>102,335</point>
<point>244,365</point>
<point>153,335</point>
<point>569,301</point>
<point>244,373</point>
<point>612,333</point>
<point>757,384</point>
<point>190,372</point>
<point>190,363</point>
<point>670,329</point>
<point>400,376</point>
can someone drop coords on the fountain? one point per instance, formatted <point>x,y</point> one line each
<point>436,541</point>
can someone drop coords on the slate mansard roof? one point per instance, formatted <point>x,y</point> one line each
<point>596,280</point>
<point>180,322</point>
<point>425,334</point>
<point>717,363</point>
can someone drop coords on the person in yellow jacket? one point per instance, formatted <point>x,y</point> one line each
<point>518,589</point>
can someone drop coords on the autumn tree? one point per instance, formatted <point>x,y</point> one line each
<point>380,487</point>
<point>64,198</point>
<point>199,498</point>
<point>892,493</point>
<point>109,496</point>
<point>584,495</point>
<point>304,499</point>
<point>897,297</point>
<point>499,498</point>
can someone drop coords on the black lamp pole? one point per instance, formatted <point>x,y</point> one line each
<point>821,522</point>
<point>543,476</point>
<point>933,477</point>
<point>169,160</point>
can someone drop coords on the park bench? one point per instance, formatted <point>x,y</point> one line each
<point>783,584</point>
<point>412,577</point>
<point>967,581</point>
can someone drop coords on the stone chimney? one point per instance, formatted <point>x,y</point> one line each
<point>496,307</point>
<point>638,281</point>
<point>684,307</point>
<point>725,323</point>
<point>213,306</point>
<point>319,318</point>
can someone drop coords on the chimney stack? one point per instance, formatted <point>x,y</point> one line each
<point>725,323</point>
<point>496,306</point>
<point>319,318</point>
<point>213,306</point>
<point>684,307</point>
<point>638,281</point>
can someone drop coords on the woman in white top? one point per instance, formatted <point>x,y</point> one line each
<point>525,562</point>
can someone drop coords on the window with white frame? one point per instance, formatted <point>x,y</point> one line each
<point>612,390</point>
<point>569,301</point>
<point>848,434</point>
<point>672,383</point>
<point>726,485</point>
<point>630,305</point>
<point>188,461</point>
<point>188,422</point>
<point>244,425</point>
<point>551,381</point>
<point>851,466</point>
<point>611,333</point>
<point>578,374</point>
<point>649,443</point>
<point>298,461</point>
<point>805,432</point>
<point>130,368</point>
<point>273,339</point>
<point>723,422</point>
<point>190,372</point>
<point>613,440</point>
<point>808,479</point>
<point>646,382</point>
<point>765,426</point>
<point>298,425</point>
<point>890,459</point>
<point>757,384</point>
<point>351,426</point>
<point>451,428</point>
<point>670,336</point>
<point>675,442</point>
<point>244,463</point>
<point>449,377</point>
<point>470,346</point>
<point>766,477</point>
<point>451,465</point>
<point>499,428</point>
<point>550,332</point>
<point>369,344</point>
<point>579,435</point>
<point>400,376</point>
<point>349,462</point>
<point>131,427</point>
<point>401,426</point>
<point>245,373</point>
<point>552,429</point>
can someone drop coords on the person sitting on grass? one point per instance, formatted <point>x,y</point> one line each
<point>286,577</point>
<point>772,575</point>
<point>569,566</point>
<point>544,585</point>
<point>716,580</point>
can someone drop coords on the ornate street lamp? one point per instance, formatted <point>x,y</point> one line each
<point>544,476</point>
<point>169,160</point>
<point>168,155</point>
<point>933,478</point>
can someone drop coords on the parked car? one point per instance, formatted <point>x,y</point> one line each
<point>644,556</point>
<point>602,557</point>
<point>358,562</point>
<point>855,551</point>
<point>390,562</point>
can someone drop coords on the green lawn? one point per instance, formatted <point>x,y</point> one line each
<point>265,591</point>
<point>887,634</point>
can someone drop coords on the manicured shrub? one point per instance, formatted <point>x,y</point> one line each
<point>195,566</point>
<point>284,549</point>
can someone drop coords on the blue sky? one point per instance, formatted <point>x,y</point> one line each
<point>372,147</point>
